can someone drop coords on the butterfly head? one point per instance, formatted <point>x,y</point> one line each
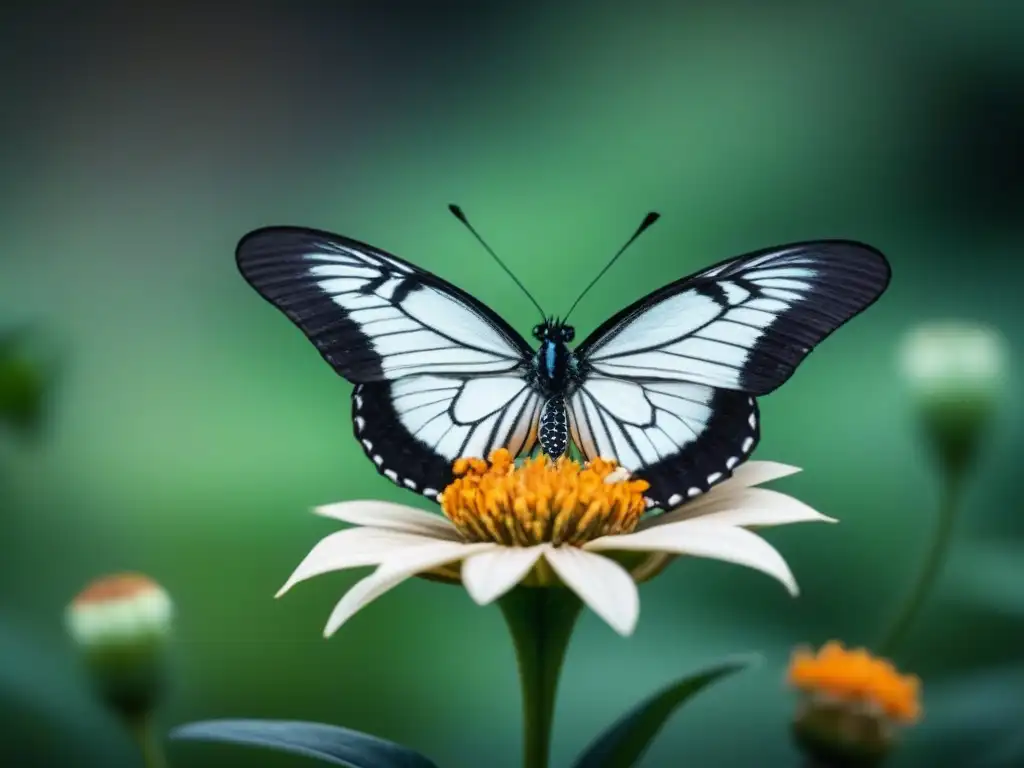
<point>554,330</point>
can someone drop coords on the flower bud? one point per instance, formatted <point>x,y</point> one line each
<point>956,372</point>
<point>122,623</point>
<point>852,706</point>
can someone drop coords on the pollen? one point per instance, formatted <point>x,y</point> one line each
<point>556,501</point>
<point>857,678</point>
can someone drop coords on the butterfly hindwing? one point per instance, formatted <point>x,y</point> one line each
<point>373,316</point>
<point>681,437</point>
<point>414,428</point>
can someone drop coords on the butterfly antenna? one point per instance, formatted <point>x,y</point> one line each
<point>649,219</point>
<point>457,212</point>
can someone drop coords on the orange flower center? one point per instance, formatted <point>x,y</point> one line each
<point>559,502</point>
<point>857,678</point>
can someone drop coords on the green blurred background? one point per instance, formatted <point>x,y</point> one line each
<point>191,427</point>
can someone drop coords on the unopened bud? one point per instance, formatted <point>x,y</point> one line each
<point>122,624</point>
<point>956,372</point>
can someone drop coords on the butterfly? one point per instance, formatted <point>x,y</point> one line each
<point>667,386</point>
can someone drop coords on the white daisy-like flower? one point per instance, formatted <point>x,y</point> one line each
<point>552,523</point>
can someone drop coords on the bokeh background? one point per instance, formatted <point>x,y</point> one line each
<point>191,427</point>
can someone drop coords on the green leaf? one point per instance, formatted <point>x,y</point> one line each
<point>329,743</point>
<point>623,743</point>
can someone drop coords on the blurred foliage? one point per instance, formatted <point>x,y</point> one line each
<point>990,574</point>
<point>25,381</point>
<point>196,427</point>
<point>975,721</point>
<point>625,741</point>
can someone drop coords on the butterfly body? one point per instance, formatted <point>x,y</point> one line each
<point>555,374</point>
<point>667,386</point>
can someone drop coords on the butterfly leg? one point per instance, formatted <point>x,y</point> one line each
<point>554,428</point>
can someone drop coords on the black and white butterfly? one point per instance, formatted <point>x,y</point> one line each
<point>667,386</point>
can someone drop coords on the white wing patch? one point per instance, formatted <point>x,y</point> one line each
<point>457,417</point>
<point>681,437</point>
<point>661,324</point>
<point>638,424</point>
<point>412,327</point>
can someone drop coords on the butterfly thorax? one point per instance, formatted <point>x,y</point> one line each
<point>555,373</point>
<point>554,365</point>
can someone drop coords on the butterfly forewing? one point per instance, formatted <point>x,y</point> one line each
<point>744,324</point>
<point>373,316</point>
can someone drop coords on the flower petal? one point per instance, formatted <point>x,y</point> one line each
<point>351,548</point>
<point>602,584</point>
<point>394,517</point>
<point>393,572</point>
<point>705,539</point>
<point>757,472</point>
<point>490,575</point>
<point>744,507</point>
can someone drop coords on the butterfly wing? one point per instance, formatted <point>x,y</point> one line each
<point>415,427</point>
<point>679,436</point>
<point>373,316</point>
<point>438,375</point>
<point>669,382</point>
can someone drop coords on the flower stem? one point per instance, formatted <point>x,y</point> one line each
<point>149,744</point>
<point>541,620</point>
<point>933,561</point>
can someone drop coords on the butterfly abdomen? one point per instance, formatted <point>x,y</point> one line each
<point>554,428</point>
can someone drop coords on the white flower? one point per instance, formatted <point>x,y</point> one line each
<point>551,523</point>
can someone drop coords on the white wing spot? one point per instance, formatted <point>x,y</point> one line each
<point>360,423</point>
<point>377,460</point>
<point>674,499</point>
<point>429,492</point>
<point>714,478</point>
<point>391,475</point>
<point>752,420</point>
<point>368,445</point>
<point>748,444</point>
<point>734,294</point>
<point>359,401</point>
<point>694,492</point>
<point>731,462</point>
<point>409,484</point>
